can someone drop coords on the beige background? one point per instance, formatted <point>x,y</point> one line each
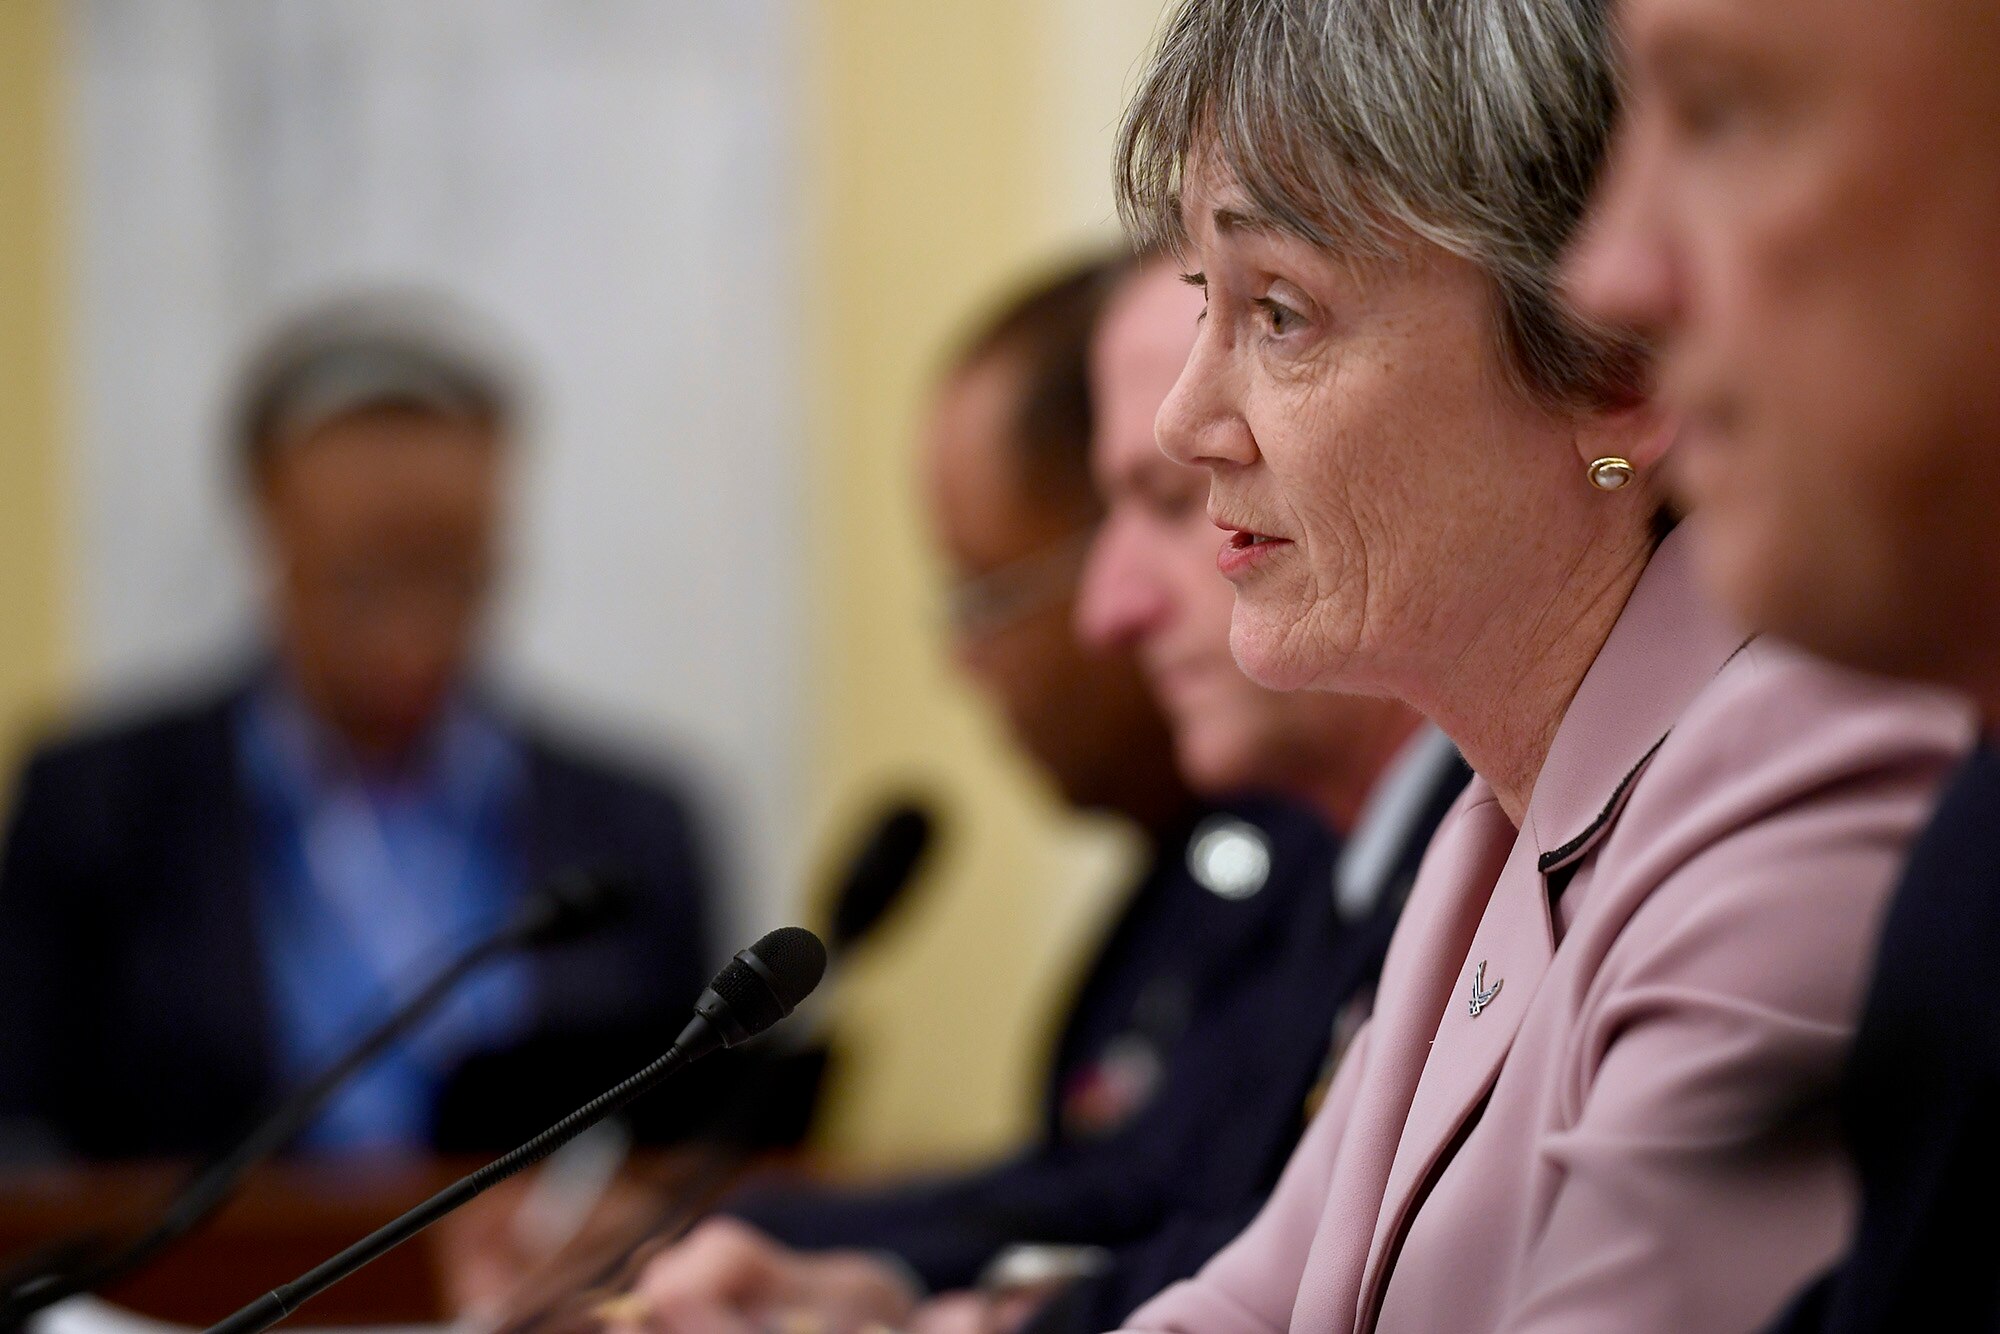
<point>32,589</point>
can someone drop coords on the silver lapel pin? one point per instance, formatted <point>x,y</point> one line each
<point>1481,997</point>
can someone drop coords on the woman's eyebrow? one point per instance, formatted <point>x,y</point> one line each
<point>1250,220</point>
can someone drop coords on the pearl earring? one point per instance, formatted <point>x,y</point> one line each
<point>1611,473</point>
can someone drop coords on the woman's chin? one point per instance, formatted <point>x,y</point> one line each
<point>1266,652</point>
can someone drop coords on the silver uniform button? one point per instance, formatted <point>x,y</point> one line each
<point>1230,858</point>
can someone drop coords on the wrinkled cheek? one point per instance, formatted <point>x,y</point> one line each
<point>1338,562</point>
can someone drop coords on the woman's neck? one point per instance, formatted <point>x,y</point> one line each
<point>1503,698</point>
<point>1337,781</point>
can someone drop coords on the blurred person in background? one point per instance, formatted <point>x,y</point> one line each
<point>200,904</point>
<point>1803,215</point>
<point>1626,977</point>
<point>1165,1192</point>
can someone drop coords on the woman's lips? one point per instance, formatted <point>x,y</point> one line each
<point>1246,549</point>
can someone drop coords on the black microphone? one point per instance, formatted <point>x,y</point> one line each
<point>754,990</point>
<point>569,906</point>
<point>878,874</point>
<point>875,879</point>
<point>772,1086</point>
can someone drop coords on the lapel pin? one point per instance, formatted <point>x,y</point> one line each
<point>1482,996</point>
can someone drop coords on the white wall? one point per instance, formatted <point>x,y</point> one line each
<point>611,180</point>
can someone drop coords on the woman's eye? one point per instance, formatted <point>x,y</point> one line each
<point>1281,318</point>
<point>1198,280</point>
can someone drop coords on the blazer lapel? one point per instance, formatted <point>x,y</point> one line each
<point>1422,970</point>
<point>1509,955</point>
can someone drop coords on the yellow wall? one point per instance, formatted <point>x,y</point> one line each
<point>944,155</point>
<point>31,588</point>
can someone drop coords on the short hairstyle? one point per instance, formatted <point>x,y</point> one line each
<point>1474,125</point>
<point>417,352</point>
<point>1046,328</point>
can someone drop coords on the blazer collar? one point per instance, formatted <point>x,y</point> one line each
<point>1666,645</point>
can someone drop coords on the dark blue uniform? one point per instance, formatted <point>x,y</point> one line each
<point>1216,1007</point>
<point>1330,970</point>
<point>1922,1095</point>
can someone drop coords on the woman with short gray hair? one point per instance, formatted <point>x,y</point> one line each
<point>1621,992</point>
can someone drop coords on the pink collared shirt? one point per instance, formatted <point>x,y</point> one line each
<point>1609,1114</point>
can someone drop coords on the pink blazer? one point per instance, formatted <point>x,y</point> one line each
<point>1609,1116</point>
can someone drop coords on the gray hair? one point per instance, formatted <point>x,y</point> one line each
<point>406,348</point>
<point>1474,125</point>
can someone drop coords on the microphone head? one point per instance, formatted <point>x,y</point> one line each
<point>879,873</point>
<point>763,984</point>
<point>578,902</point>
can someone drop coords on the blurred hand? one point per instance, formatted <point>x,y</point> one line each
<point>977,1312</point>
<point>726,1277</point>
<point>954,1313</point>
<point>492,1274</point>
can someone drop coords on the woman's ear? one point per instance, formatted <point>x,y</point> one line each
<point>1640,433</point>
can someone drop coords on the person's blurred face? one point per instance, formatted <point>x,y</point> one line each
<point>1803,211</point>
<point>1151,582</point>
<point>1085,718</point>
<point>382,524</point>
<point>1383,483</point>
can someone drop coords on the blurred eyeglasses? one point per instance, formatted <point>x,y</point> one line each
<point>1007,594</point>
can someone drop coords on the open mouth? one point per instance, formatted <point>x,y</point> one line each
<point>1243,540</point>
<point>1245,548</point>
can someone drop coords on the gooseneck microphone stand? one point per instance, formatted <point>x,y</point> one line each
<point>280,1302</point>
<point>758,987</point>
<point>569,907</point>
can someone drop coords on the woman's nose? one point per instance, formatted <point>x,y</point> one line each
<point>1200,423</point>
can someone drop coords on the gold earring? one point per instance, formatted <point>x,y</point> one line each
<point>1611,473</point>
